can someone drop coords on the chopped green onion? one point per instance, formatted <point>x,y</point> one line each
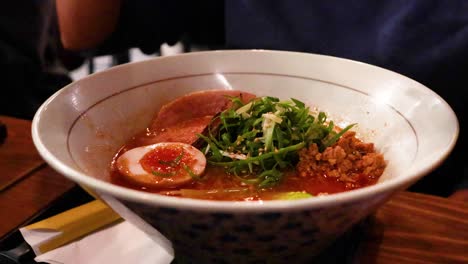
<point>335,138</point>
<point>263,138</point>
<point>173,163</point>
<point>163,174</point>
<point>191,173</point>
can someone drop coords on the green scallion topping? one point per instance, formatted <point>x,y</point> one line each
<point>173,163</point>
<point>163,174</point>
<point>258,140</point>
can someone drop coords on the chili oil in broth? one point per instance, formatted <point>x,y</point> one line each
<point>218,184</point>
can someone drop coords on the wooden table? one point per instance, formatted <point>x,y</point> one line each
<point>27,184</point>
<point>411,228</point>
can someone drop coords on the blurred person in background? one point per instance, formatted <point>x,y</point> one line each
<point>426,40</point>
<point>33,64</point>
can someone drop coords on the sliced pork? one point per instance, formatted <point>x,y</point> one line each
<point>182,119</point>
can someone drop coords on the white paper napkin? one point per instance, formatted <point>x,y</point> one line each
<point>94,233</point>
<point>119,243</point>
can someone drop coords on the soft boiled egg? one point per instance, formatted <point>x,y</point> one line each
<point>162,165</point>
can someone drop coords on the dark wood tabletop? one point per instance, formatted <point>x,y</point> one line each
<point>410,228</point>
<point>27,184</point>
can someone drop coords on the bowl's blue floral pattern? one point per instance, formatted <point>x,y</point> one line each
<point>272,237</point>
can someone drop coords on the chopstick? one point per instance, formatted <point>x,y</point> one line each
<point>73,224</point>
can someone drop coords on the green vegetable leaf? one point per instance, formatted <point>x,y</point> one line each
<point>291,196</point>
<point>260,139</point>
<point>337,136</point>
<point>163,174</point>
<point>173,163</point>
<point>191,173</point>
<point>298,103</point>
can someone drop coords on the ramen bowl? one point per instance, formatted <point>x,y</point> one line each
<point>80,128</point>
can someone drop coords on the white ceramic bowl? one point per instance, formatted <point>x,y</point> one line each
<point>79,129</point>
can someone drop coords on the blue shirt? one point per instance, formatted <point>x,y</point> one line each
<point>424,39</point>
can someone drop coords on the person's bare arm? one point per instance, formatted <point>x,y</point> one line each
<point>85,24</point>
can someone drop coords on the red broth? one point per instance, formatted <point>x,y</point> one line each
<point>344,164</point>
<point>217,184</point>
<point>220,185</point>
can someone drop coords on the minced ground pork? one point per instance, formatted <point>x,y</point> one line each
<point>348,161</point>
